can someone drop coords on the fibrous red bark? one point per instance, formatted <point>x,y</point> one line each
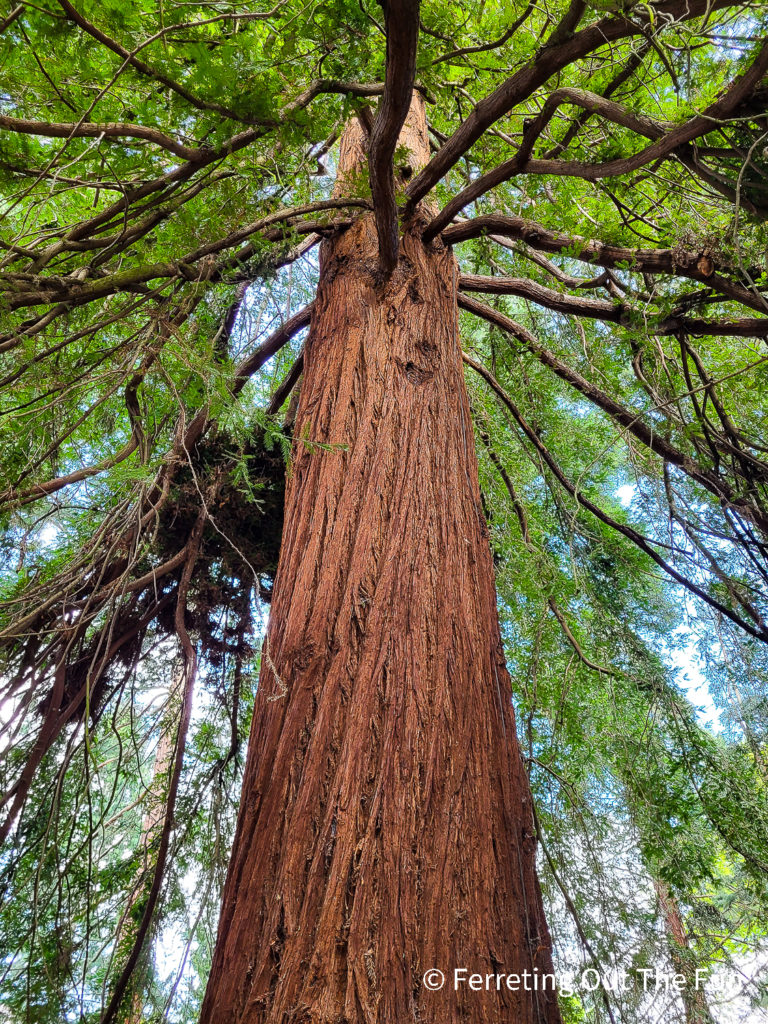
<point>385,825</point>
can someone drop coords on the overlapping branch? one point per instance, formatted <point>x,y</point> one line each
<point>551,58</point>
<point>678,262</point>
<point>756,628</point>
<point>631,421</point>
<point>615,312</point>
<point>668,139</point>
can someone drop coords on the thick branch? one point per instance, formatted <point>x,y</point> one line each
<point>89,130</point>
<point>591,102</point>
<point>402,25</point>
<point>23,290</point>
<point>667,139</point>
<point>611,312</point>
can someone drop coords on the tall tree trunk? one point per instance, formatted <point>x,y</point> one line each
<point>385,825</point>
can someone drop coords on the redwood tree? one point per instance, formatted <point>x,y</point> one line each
<point>385,824</point>
<point>597,174</point>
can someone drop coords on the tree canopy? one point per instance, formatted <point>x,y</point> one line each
<point>166,178</point>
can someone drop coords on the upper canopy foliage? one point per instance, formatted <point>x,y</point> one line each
<point>166,171</point>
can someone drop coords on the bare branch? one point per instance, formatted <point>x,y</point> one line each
<point>402,25</point>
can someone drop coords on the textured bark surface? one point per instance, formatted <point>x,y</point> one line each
<point>385,825</point>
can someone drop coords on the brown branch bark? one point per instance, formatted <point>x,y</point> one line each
<point>89,130</point>
<point>287,385</point>
<point>10,18</point>
<point>668,138</point>
<point>402,28</point>
<point>546,63</point>
<point>591,102</point>
<point>611,312</point>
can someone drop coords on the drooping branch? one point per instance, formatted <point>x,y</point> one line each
<point>92,592</point>
<point>190,670</point>
<point>402,27</point>
<point>243,373</point>
<point>628,419</point>
<point>24,290</point>
<point>759,630</point>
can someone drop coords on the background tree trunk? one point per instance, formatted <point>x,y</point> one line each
<point>694,997</point>
<point>385,825</point>
<point>151,828</point>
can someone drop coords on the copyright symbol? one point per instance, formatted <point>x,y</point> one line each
<point>433,979</point>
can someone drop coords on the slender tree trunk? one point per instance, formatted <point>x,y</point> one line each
<point>151,827</point>
<point>385,825</point>
<point>694,997</point>
<point>150,833</point>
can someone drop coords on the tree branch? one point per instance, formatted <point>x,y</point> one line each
<point>484,47</point>
<point>667,139</point>
<point>611,312</point>
<point>757,631</point>
<point>89,130</point>
<point>676,262</point>
<point>402,25</point>
<point>628,419</point>
<point>546,63</point>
